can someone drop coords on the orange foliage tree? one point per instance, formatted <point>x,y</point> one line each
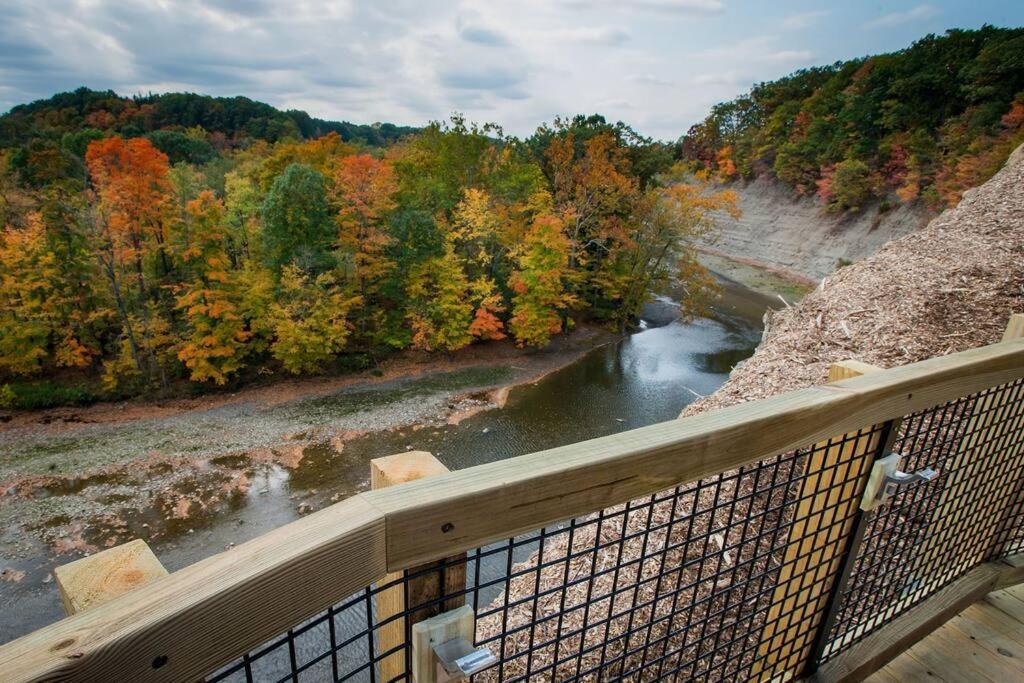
<point>217,336</point>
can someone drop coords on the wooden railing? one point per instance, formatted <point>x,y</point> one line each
<point>183,626</point>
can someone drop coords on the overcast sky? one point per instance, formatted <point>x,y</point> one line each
<point>656,64</point>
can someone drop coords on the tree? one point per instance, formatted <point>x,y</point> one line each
<point>129,225</point>
<point>297,227</point>
<point>852,185</point>
<point>541,297</point>
<point>476,239</point>
<point>661,248</point>
<point>594,192</point>
<point>130,178</point>
<point>28,271</point>
<point>364,190</point>
<point>216,339</point>
<point>310,319</point>
<point>438,309</point>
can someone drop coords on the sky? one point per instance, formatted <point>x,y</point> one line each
<point>658,65</point>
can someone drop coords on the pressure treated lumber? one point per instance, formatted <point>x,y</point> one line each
<point>831,488</point>
<point>475,506</point>
<point>187,624</point>
<point>97,579</point>
<point>422,587</point>
<point>864,658</point>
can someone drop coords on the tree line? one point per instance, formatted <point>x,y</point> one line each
<point>924,123</point>
<point>148,265</point>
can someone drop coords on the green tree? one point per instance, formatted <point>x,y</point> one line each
<point>851,185</point>
<point>310,319</point>
<point>297,226</point>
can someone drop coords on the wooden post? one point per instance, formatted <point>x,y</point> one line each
<point>822,524</point>
<point>385,472</point>
<point>975,490</point>
<point>97,579</point>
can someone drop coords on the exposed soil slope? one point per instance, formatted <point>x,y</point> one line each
<point>784,231</point>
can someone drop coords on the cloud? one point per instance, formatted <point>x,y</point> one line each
<point>677,6</point>
<point>788,56</point>
<point>724,78</point>
<point>651,79</point>
<point>583,35</point>
<point>482,35</point>
<point>918,13</point>
<point>795,22</point>
<point>481,78</point>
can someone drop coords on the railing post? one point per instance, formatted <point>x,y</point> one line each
<point>97,579</point>
<point>993,429</point>
<point>429,583</point>
<point>834,476</point>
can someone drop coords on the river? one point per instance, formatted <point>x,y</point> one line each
<point>641,379</point>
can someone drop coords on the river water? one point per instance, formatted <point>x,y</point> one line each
<point>644,378</point>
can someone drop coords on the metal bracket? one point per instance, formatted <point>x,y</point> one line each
<point>460,659</point>
<point>886,478</point>
<point>442,648</point>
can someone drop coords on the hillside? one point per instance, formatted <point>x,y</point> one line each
<point>921,124</point>
<point>783,231</point>
<point>233,120</point>
<point>948,287</point>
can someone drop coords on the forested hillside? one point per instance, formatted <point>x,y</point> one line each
<point>178,240</point>
<point>67,121</point>
<point>926,122</point>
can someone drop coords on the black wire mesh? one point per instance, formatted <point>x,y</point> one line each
<point>929,535</point>
<point>728,578</point>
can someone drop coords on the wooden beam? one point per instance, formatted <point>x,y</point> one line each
<point>864,658</point>
<point>1012,571</point>
<point>187,624</point>
<point>831,488</point>
<point>456,623</point>
<point>98,579</point>
<point>429,582</point>
<point>475,506</point>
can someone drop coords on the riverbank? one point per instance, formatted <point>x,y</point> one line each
<point>403,365</point>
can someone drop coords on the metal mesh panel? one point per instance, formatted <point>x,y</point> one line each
<point>931,534</point>
<point>728,578</point>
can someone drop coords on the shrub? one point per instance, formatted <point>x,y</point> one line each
<point>851,185</point>
<point>45,394</point>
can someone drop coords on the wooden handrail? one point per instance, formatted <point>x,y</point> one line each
<point>471,507</point>
<point>187,624</point>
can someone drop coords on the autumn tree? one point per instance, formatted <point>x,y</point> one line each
<point>476,239</point>
<point>851,185</point>
<point>594,192</point>
<point>216,339</point>
<point>310,322</point>
<point>364,191</point>
<point>661,250</point>
<point>438,308</point>
<point>129,225</point>
<point>28,271</point>
<point>540,284</point>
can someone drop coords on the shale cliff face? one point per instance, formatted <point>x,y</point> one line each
<point>785,231</point>
<point>947,287</point>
